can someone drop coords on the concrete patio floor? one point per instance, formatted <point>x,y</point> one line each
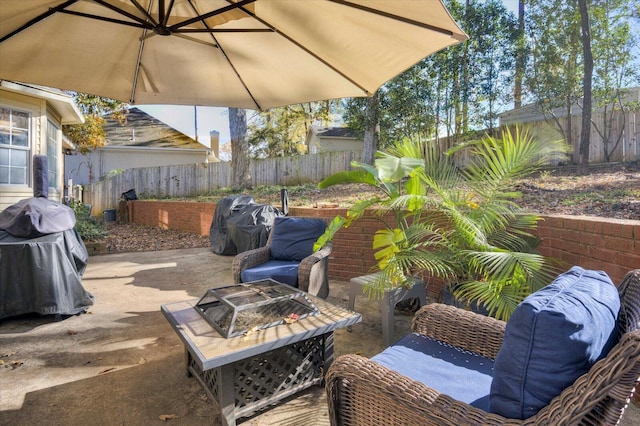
<point>122,364</point>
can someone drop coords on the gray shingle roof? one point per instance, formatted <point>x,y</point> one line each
<point>141,129</point>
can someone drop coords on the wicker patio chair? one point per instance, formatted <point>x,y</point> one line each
<point>292,261</point>
<point>363,392</point>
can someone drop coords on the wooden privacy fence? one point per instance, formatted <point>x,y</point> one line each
<point>623,128</point>
<point>190,180</point>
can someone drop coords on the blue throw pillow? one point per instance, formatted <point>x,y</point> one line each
<point>553,337</point>
<point>294,237</point>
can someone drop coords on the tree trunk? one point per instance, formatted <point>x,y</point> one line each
<point>520,58</point>
<point>240,174</point>
<point>465,76</point>
<point>371,129</point>
<point>583,154</point>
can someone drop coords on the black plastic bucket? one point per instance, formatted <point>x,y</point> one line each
<point>109,215</point>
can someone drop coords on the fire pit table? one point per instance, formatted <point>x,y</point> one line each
<point>269,361</point>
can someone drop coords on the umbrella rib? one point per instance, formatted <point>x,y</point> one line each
<point>164,21</point>
<point>204,24</point>
<point>201,18</point>
<point>125,13</point>
<point>161,16</point>
<point>37,19</point>
<point>134,86</point>
<point>104,19</point>
<point>300,46</point>
<point>223,30</point>
<point>395,17</point>
<point>194,40</point>
<point>144,12</point>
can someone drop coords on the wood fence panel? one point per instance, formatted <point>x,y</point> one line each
<point>631,142</point>
<point>194,179</point>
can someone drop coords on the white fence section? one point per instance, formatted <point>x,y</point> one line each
<point>189,180</point>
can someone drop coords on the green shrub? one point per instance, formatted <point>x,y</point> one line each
<point>88,227</point>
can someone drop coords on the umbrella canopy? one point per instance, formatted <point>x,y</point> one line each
<point>254,54</point>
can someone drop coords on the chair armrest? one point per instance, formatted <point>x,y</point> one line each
<point>605,389</point>
<point>458,327</point>
<point>316,257</point>
<point>363,392</point>
<point>312,272</point>
<point>249,259</point>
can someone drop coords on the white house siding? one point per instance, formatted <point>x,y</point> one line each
<point>85,169</point>
<point>326,144</point>
<point>41,105</point>
<point>321,139</point>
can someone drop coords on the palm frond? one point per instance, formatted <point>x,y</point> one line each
<point>393,169</point>
<point>499,300</point>
<point>351,176</point>
<point>336,224</point>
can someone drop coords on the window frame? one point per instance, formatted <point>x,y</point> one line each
<point>14,148</point>
<point>54,151</point>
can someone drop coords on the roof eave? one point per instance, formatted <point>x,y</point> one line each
<point>62,103</point>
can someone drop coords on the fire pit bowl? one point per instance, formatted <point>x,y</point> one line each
<point>248,307</point>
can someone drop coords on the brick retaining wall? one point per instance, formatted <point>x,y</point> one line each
<point>612,245</point>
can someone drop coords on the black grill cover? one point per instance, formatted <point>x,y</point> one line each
<point>35,217</point>
<point>249,227</point>
<point>43,274</point>
<point>42,257</point>
<point>221,242</point>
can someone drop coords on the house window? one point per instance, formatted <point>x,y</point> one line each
<point>53,153</point>
<point>14,147</point>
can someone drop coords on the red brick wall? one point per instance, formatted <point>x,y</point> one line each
<point>610,245</point>
<point>182,216</point>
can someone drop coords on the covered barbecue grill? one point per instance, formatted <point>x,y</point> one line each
<point>240,224</point>
<point>42,257</point>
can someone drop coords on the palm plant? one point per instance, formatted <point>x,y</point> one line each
<point>461,225</point>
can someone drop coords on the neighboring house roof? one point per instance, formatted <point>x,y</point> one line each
<point>334,132</point>
<point>317,133</point>
<point>143,130</point>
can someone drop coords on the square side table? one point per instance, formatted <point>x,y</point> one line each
<point>390,299</point>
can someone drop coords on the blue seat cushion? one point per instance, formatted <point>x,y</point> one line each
<point>284,271</point>
<point>553,337</point>
<point>294,237</point>
<point>462,375</point>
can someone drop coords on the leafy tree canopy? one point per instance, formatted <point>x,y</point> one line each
<point>282,131</point>
<point>90,135</point>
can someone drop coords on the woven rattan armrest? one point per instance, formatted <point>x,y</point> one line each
<point>304,270</point>
<point>312,272</point>
<point>248,259</point>
<point>464,329</point>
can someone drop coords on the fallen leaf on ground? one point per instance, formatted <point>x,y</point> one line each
<point>165,417</point>
<point>291,318</point>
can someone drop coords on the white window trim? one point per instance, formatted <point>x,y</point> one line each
<point>57,154</point>
<point>28,149</point>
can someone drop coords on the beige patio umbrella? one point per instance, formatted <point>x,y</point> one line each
<point>254,54</point>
